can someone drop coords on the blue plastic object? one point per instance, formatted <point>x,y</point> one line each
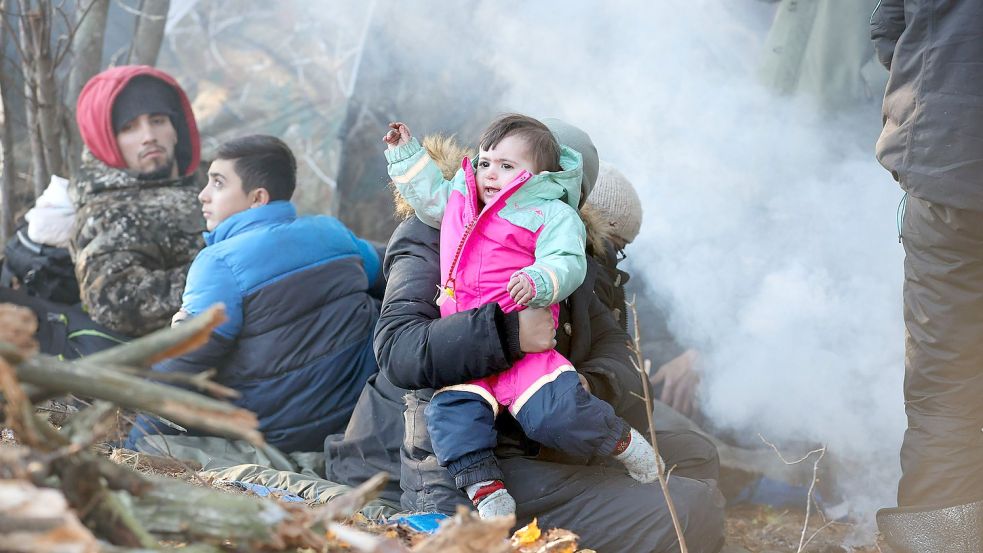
<point>265,491</point>
<point>767,491</point>
<point>428,523</point>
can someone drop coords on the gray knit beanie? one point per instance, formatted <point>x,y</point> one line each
<point>575,138</point>
<point>615,200</point>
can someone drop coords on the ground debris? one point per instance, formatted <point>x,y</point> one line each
<point>36,519</point>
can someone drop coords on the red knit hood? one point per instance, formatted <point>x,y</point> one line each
<point>94,115</point>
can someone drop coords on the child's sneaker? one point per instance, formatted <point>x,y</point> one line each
<point>491,499</point>
<point>638,457</point>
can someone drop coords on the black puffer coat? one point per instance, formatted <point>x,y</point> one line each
<point>932,141</point>
<point>417,349</point>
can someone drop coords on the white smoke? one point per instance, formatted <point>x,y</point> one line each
<point>769,226</point>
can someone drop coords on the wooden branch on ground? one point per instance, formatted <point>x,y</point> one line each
<point>91,377</point>
<point>177,510</point>
<point>186,408</point>
<point>200,381</point>
<point>349,503</point>
<point>164,343</point>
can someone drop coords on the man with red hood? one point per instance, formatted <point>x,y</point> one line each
<point>138,224</point>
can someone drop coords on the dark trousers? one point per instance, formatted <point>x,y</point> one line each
<point>560,415</point>
<point>942,452</point>
<point>599,502</point>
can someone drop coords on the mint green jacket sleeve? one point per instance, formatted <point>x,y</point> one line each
<point>419,181</point>
<point>561,259</point>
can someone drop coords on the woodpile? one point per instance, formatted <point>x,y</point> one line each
<point>62,489</point>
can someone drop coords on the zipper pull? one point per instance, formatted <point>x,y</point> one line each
<point>444,293</point>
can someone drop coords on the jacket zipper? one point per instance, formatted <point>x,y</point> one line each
<point>447,291</point>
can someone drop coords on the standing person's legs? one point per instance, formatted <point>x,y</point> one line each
<point>940,495</point>
<point>942,453</point>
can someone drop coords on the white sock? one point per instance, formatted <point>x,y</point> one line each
<point>498,503</point>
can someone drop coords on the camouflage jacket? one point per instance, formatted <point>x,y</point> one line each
<point>133,243</point>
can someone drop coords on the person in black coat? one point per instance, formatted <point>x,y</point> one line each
<point>419,351</point>
<point>932,143</point>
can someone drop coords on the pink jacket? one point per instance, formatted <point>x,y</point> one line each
<point>532,226</point>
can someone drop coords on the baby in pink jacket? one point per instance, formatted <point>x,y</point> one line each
<point>510,232</point>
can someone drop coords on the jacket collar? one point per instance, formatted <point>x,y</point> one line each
<point>95,177</point>
<point>563,185</point>
<point>280,211</point>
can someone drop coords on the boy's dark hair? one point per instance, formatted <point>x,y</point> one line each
<point>262,161</point>
<point>543,147</point>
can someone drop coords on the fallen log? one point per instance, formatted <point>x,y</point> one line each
<point>85,378</point>
<point>164,343</point>
<point>175,510</point>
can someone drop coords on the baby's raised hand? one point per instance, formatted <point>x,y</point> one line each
<point>521,289</point>
<point>398,135</point>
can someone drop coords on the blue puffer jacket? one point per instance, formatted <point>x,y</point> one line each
<point>301,296</point>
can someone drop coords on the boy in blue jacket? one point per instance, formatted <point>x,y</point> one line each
<point>301,295</point>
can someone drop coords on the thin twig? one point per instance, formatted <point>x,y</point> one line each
<point>812,488</point>
<point>72,30</point>
<point>642,365</point>
<point>814,534</point>
<point>782,457</point>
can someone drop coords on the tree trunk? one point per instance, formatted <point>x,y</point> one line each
<point>86,62</point>
<point>149,32</point>
<point>49,106</point>
<point>7,207</point>
<point>39,172</point>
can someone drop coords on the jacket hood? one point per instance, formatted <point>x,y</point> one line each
<point>94,115</point>
<point>558,185</point>
<point>447,153</point>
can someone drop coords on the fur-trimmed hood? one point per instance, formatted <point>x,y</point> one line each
<point>447,153</point>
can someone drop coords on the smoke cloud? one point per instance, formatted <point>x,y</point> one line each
<point>769,226</point>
